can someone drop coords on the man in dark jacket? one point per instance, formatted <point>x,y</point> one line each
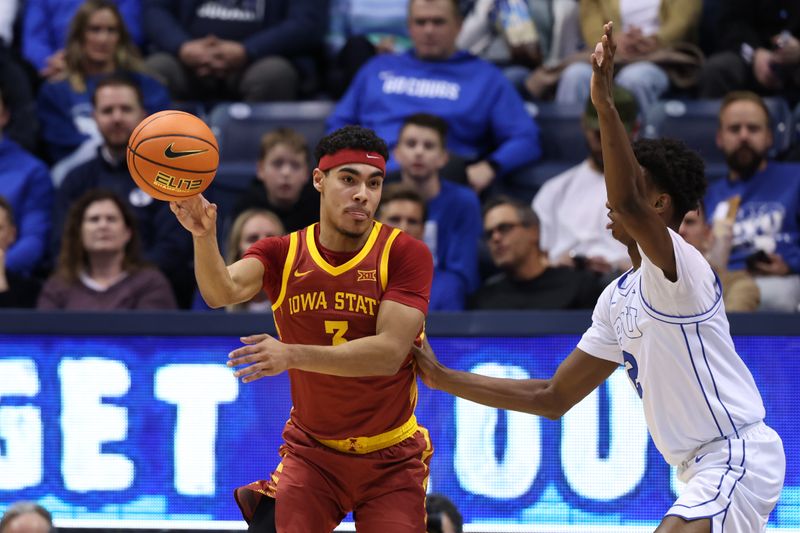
<point>252,50</point>
<point>526,280</point>
<point>118,109</point>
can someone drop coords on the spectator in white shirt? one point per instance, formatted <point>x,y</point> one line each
<point>572,205</point>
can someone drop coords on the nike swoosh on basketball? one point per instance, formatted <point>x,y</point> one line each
<point>299,274</point>
<point>171,154</point>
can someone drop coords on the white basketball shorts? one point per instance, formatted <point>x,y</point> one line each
<point>734,482</point>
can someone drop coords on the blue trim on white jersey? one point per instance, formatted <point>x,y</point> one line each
<point>621,279</point>
<point>683,319</point>
<point>700,382</point>
<point>714,381</point>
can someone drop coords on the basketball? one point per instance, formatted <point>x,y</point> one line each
<point>172,155</point>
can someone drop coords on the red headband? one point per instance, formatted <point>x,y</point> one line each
<point>350,155</point>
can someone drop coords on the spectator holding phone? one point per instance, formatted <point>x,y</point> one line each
<point>766,228</point>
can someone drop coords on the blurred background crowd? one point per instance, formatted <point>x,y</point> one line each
<point>495,162</point>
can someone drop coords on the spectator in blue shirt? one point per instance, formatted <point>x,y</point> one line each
<point>762,197</point>
<point>453,222</point>
<point>98,44</point>
<point>26,185</point>
<point>488,124</point>
<point>45,26</point>
<point>402,207</point>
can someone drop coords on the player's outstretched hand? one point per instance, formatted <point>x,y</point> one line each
<point>263,355</point>
<point>428,365</point>
<point>603,68</point>
<point>196,214</point>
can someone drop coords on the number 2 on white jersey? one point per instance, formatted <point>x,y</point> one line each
<point>633,371</point>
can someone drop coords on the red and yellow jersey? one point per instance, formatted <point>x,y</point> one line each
<point>323,297</point>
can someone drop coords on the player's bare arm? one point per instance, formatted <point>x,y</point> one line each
<point>219,285</point>
<point>377,355</point>
<point>577,376</point>
<point>628,197</point>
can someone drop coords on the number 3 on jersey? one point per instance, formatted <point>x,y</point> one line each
<point>633,371</point>
<point>337,328</point>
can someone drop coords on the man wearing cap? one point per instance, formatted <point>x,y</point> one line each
<point>350,298</point>
<point>572,205</point>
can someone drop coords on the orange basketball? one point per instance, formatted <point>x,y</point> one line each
<point>172,155</point>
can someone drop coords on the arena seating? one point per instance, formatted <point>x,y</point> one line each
<point>239,126</point>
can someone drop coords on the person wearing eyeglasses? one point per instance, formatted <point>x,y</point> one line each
<point>527,280</point>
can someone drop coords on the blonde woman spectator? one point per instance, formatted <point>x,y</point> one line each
<point>100,265</point>
<point>45,25</point>
<point>98,44</point>
<point>248,228</point>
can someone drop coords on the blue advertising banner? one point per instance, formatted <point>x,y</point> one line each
<point>155,428</point>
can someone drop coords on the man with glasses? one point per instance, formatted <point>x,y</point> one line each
<point>526,280</point>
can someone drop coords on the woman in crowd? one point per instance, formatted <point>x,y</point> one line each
<point>250,226</point>
<point>100,265</point>
<point>98,44</point>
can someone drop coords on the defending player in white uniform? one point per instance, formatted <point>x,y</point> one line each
<point>664,320</point>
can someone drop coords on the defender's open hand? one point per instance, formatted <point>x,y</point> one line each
<point>603,68</point>
<point>428,366</point>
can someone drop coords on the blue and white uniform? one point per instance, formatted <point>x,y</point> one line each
<point>701,404</point>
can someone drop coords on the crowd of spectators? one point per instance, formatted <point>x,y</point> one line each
<point>447,83</point>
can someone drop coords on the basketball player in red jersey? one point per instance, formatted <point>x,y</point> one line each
<point>350,297</point>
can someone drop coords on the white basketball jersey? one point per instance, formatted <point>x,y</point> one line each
<point>674,340</point>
